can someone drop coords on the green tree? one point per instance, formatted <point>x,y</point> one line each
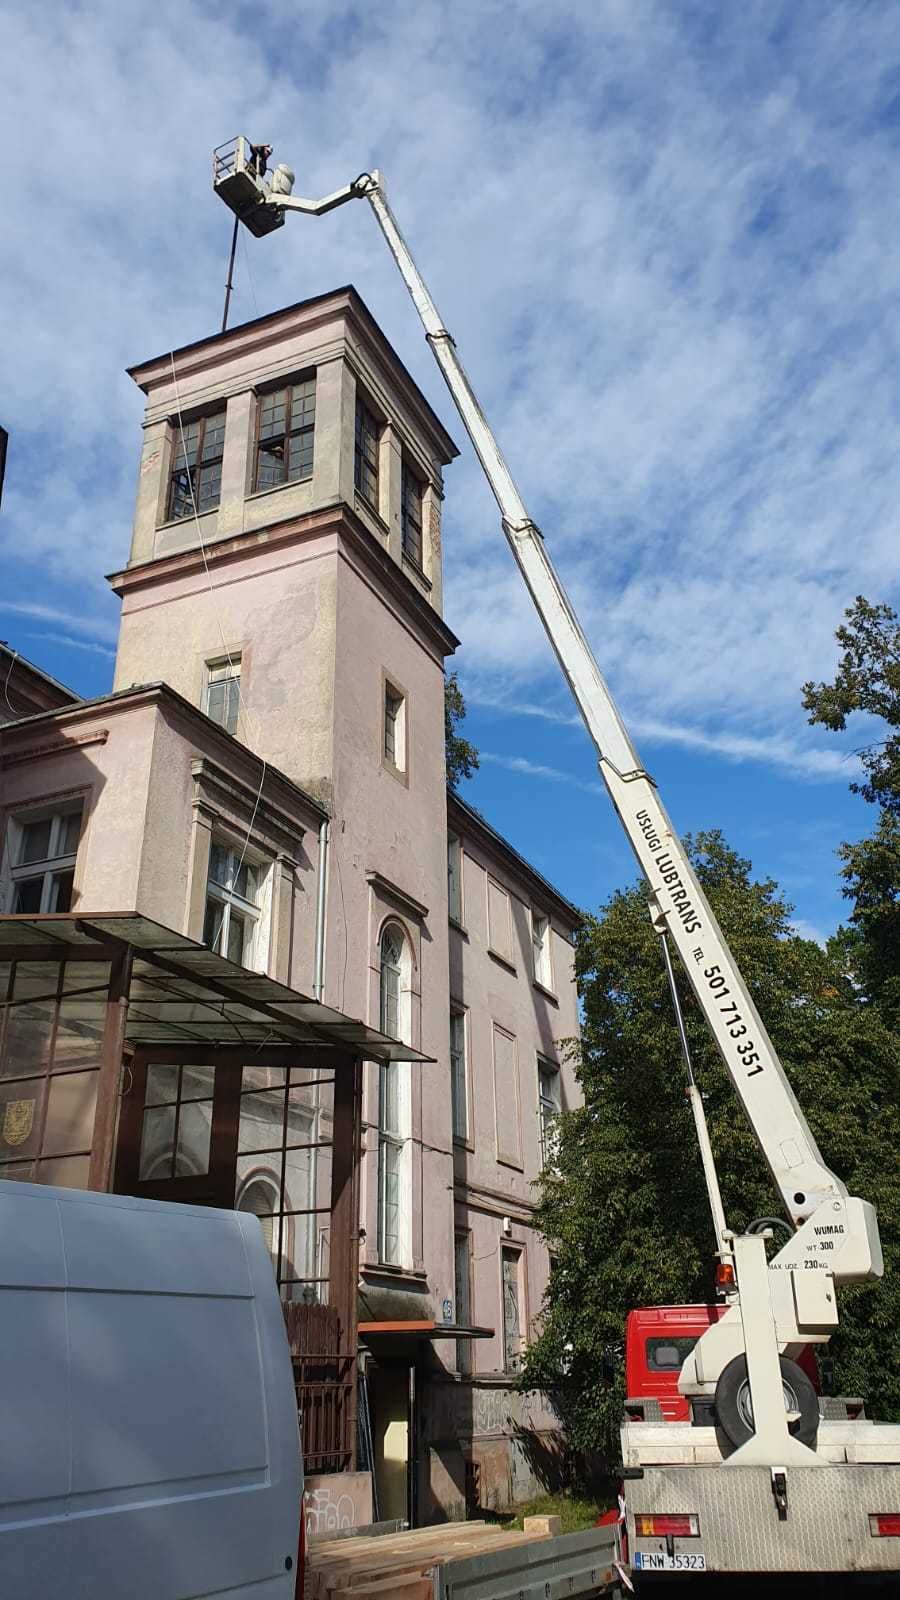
<point>867,684</point>
<point>867,681</point>
<point>624,1211</point>
<point>462,757</point>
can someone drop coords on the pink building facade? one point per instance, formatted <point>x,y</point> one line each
<point>268,777</point>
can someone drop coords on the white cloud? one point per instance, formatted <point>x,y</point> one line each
<point>76,644</point>
<point>659,236</point>
<point>41,613</point>
<point>535,769</point>
<point>784,753</point>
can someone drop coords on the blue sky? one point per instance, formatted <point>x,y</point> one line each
<point>664,238</point>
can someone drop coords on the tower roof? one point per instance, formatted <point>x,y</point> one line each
<point>217,347</point>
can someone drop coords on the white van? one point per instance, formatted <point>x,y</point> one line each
<point>149,1447</point>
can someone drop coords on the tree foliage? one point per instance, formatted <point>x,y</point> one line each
<point>867,683</point>
<point>624,1211</point>
<point>462,757</point>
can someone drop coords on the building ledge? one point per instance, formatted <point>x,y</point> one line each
<point>413,907</point>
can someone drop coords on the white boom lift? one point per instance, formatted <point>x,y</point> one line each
<point>780,1306</point>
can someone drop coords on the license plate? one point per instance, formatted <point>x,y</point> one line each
<point>658,1561</point>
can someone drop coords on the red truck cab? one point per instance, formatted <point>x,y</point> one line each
<point>658,1340</point>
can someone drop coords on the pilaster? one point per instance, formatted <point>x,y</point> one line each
<point>236,479</point>
<point>152,478</point>
<point>390,462</point>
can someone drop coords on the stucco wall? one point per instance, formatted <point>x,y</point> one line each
<point>390,864</point>
<point>143,767</point>
<point>275,607</point>
<point>497,1166</point>
<point>103,756</point>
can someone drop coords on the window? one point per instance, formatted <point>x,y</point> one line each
<point>668,1355</point>
<point>459,1095</point>
<point>390,1136</point>
<point>43,850</point>
<point>223,692</point>
<point>512,1309</point>
<point>462,1286</point>
<point>394,728</point>
<point>411,492</point>
<point>284,1171</point>
<point>548,1100</point>
<point>499,930</point>
<point>233,894</point>
<point>178,1103</point>
<point>540,942</point>
<point>284,446</point>
<point>196,478</point>
<point>454,880</point>
<point>365,456</point>
<point>50,1052</point>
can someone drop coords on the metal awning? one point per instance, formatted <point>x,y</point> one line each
<point>399,1336</point>
<point>181,992</point>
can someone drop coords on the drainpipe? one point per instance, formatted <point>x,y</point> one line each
<point>321,887</point>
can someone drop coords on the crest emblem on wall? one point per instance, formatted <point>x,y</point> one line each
<point>18,1121</point>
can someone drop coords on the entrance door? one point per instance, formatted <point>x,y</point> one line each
<point>389,1402</point>
<point>178,1132</point>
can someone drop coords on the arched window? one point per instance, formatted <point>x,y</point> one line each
<point>394,987</point>
<point>260,1196</point>
<point>392,950</point>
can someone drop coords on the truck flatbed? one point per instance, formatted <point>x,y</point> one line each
<point>461,1561</point>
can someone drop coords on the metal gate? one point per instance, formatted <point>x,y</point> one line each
<point>324,1378</point>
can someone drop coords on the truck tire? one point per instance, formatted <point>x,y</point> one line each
<point>734,1407</point>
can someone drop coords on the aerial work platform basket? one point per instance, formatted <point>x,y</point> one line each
<point>240,176</point>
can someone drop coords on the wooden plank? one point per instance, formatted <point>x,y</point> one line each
<point>352,1552</point>
<point>323,1548</point>
<point>365,1563</point>
<point>353,1566</point>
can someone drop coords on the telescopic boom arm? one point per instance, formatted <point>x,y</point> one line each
<point>808,1188</point>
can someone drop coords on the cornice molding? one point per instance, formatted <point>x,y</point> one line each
<point>392,891</point>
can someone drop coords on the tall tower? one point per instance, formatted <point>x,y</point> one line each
<point>285,576</point>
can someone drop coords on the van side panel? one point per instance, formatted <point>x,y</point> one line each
<point>150,1441</point>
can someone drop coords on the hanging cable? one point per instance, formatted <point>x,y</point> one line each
<point>15,657</point>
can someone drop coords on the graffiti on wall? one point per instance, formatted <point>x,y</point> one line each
<point>471,1411</point>
<point>334,1502</point>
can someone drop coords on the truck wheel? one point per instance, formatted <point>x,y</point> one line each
<point>734,1405</point>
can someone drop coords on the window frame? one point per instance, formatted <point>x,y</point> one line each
<point>251,911</point>
<point>398,763</point>
<point>232,663</point>
<point>513,1364</point>
<point>178,439</point>
<point>366,468</point>
<point>285,388</point>
<point>455,873</point>
<point>391,1142</point>
<point>460,1110</point>
<point>296,1226</point>
<point>51,867</point>
<point>542,970</point>
<point>549,1106</point>
<point>412,548</point>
